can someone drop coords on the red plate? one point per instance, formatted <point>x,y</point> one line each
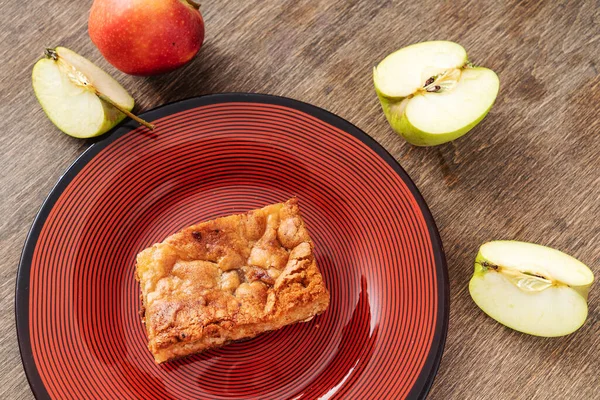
<point>376,244</point>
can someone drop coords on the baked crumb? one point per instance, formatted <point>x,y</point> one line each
<point>229,279</point>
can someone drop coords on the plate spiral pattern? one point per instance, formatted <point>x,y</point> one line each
<point>376,244</point>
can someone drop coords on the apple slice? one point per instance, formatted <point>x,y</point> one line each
<point>79,98</point>
<point>531,288</point>
<point>431,94</point>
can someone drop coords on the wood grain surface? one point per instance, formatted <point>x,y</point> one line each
<point>529,171</point>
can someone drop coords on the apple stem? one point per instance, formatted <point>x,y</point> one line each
<point>193,4</point>
<point>51,53</point>
<point>124,111</point>
<point>486,264</point>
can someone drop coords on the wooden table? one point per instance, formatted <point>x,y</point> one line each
<point>529,171</point>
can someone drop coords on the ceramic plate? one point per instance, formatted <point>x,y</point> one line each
<point>376,244</point>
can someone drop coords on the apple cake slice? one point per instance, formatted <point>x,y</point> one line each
<point>228,279</point>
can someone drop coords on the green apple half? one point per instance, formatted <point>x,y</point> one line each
<point>531,288</point>
<point>431,94</point>
<point>79,98</point>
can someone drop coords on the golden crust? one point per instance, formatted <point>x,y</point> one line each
<point>228,279</point>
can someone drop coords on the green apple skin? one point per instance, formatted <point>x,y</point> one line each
<point>394,111</point>
<point>413,135</point>
<point>50,86</point>
<point>573,299</point>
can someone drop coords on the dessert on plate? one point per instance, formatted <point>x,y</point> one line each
<point>228,279</point>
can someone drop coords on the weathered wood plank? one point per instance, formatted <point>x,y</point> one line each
<point>529,171</point>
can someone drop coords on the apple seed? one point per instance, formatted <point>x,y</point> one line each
<point>429,81</point>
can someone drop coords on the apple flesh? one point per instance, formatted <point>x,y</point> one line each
<point>146,37</point>
<point>531,288</point>
<point>431,94</point>
<point>67,86</point>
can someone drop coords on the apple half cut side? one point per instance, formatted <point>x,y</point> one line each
<point>531,288</point>
<point>79,98</point>
<point>431,94</point>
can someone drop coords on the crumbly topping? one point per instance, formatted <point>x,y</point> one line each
<point>230,273</point>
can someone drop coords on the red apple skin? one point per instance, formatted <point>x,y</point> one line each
<point>146,37</point>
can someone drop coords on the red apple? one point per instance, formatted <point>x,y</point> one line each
<point>146,37</point>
